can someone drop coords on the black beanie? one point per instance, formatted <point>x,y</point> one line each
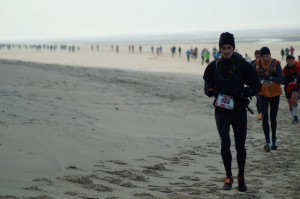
<point>290,57</point>
<point>226,38</point>
<point>264,51</point>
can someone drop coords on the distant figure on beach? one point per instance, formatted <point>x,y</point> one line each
<point>159,51</point>
<point>292,49</point>
<point>214,51</point>
<point>224,80</point>
<point>188,55</point>
<point>140,49</point>
<point>282,54</point>
<point>217,55</point>
<point>291,73</point>
<point>152,49</point>
<point>255,64</point>
<point>195,53</point>
<point>173,51</point>
<point>270,74</point>
<point>117,48</point>
<point>179,51</point>
<point>247,58</point>
<point>297,63</point>
<point>207,56</point>
<point>287,51</point>
<point>191,51</point>
<point>202,55</point>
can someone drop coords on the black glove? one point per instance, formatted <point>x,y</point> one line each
<point>211,92</point>
<point>238,92</point>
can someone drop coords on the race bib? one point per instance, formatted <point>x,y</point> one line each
<point>266,82</point>
<point>224,101</point>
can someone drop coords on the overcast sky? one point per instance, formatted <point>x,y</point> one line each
<point>39,19</point>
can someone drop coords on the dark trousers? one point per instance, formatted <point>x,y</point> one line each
<point>274,104</point>
<point>258,104</point>
<point>238,121</point>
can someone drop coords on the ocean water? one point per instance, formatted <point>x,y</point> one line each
<point>242,36</point>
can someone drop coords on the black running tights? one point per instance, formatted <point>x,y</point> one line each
<point>274,104</point>
<point>238,121</point>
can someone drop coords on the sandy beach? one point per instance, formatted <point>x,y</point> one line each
<point>127,125</point>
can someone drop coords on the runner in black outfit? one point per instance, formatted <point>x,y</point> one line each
<point>224,79</point>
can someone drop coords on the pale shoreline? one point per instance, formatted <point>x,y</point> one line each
<point>127,127</point>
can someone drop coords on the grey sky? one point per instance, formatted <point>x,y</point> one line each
<point>38,19</point>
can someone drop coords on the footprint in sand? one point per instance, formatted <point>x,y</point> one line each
<point>158,167</point>
<point>144,195</point>
<point>190,178</point>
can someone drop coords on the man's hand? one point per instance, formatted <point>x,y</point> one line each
<point>211,92</point>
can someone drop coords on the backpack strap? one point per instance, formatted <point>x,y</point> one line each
<point>271,68</point>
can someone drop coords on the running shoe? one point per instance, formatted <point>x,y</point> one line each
<point>274,144</point>
<point>267,147</point>
<point>241,184</point>
<point>228,183</point>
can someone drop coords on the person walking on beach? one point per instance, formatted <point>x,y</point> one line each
<point>173,51</point>
<point>179,51</point>
<point>287,51</point>
<point>247,58</point>
<point>224,80</point>
<point>270,73</point>
<point>202,55</point>
<point>291,74</point>
<point>207,56</point>
<point>292,49</point>
<point>188,55</point>
<point>255,63</point>
<point>282,52</point>
<point>297,63</point>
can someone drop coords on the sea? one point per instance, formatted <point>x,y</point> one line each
<point>255,36</point>
<point>242,36</point>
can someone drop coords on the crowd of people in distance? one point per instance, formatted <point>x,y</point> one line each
<point>287,51</point>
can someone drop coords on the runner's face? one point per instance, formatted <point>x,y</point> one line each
<point>290,62</point>
<point>226,51</point>
<point>265,58</point>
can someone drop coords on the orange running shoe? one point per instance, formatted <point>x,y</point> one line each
<point>228,183</point>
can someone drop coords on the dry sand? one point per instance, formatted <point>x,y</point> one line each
<point>110,131</point>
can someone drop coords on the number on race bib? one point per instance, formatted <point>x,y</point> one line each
<point>225,101</point>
